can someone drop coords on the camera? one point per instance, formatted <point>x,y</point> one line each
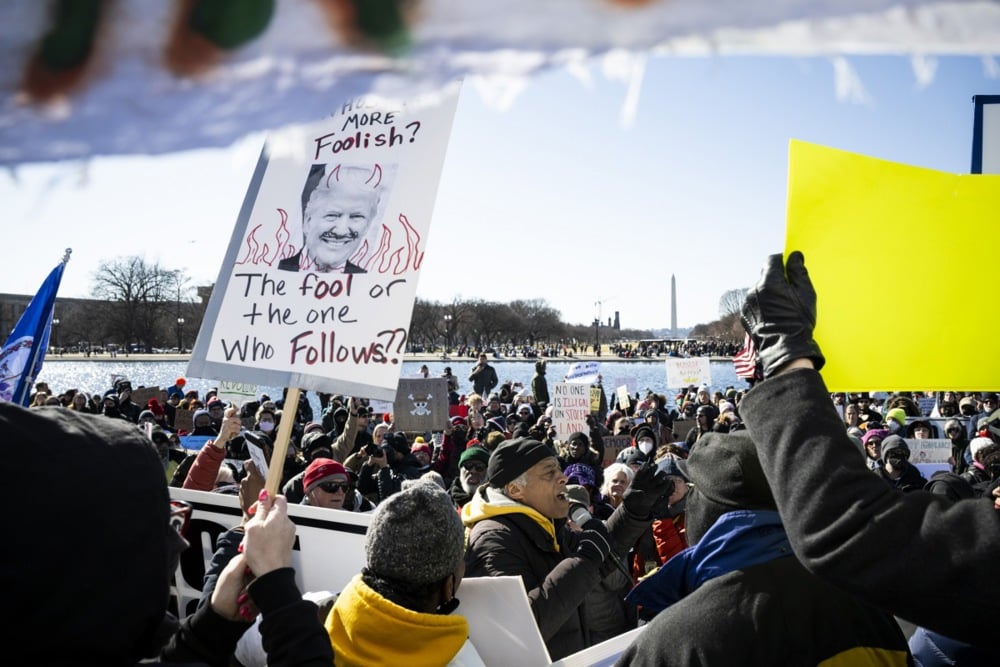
<point>372,449</point>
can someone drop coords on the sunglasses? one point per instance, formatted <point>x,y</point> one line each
<point>334,487</point>
<point>475,467</point>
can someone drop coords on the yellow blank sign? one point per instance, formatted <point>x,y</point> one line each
<point>904,261</point>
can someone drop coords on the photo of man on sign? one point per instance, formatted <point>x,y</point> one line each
<point>339,207</point>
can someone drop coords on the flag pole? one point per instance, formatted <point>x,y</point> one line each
<point>276,465</point>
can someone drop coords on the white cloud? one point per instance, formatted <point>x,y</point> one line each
<point>847,83</point>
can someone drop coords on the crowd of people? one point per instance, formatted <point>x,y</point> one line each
<point>767,527</point>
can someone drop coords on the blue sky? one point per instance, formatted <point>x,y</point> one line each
<point>555,197</point>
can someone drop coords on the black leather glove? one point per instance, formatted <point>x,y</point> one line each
<point>595,541</point>
<point>647,487</point>
<point>780,313</point>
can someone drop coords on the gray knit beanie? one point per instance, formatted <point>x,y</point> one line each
<point>415,535</point>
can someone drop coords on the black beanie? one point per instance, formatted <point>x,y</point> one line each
<point>102,578</point>
<point>513,458</point>
<point>724,467</point>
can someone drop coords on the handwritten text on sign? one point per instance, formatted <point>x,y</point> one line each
<point>570,408</point>
<point>319,281</point>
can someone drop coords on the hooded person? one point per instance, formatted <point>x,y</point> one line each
<point>777,613</point>
<point>896,468</point>
<point>540,386</point>
<point>517,527</point>
<point>110,607</point>
<point>400,609</point>
<point>314,445</point>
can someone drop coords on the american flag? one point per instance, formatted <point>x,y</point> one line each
<point>745,361</point>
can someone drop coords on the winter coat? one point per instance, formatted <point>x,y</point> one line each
<point>739,597</point>
<point>506,538</point>
<point>910,480</point>
<point>848,526</point>
<point>363,624</point>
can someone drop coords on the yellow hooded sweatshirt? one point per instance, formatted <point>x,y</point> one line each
<point>488,502</point>
<point>366,630</point>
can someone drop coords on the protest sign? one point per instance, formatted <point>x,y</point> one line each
<point>237,393</point>
<point>583,371</point>
<point>421,405</point>
<point>926,404</point>
<point>142,395</point>
<point>613,446</point>
<point>595,400</point>
<point>317,287</point>
<point>570,408</point>
<point>183,420</point>
<point>681,428</point>
<point>685,371</point>
<point>624,400</point>
<point>835,198</point>
<point>329,547</point>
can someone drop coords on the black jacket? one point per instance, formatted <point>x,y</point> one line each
<point>557,581</point>
<point>849,527</point>
<point>775,613</point>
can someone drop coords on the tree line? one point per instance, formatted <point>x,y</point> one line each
<point>144,305</point>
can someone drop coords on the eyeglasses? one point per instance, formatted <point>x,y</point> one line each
<point>333,487</point>
<point>474,467</point>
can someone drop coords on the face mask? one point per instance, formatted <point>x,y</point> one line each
<point>896,463</point>
<point>893,426</point>
<point>267,427</point>
<point>646,445</point>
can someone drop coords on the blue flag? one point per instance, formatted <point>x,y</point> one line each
<point>22,355</point>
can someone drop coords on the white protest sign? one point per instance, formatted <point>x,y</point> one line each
<point>685,371</point>
<point>624,400</point>
<point>237,393</point>
<point>570,408</point>
<point>583,371</point>
<point>936,451</point>
<point>318,284</point>
<point>329,547</point>
<point>501,625</point>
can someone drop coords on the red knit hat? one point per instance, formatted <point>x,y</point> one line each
<point>180,382</point>
<point>154,406</point>
<point>321,470</point>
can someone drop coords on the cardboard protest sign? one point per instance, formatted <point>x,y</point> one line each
<point>141,396</point>
<point>570,408</point>
<point>686,371</point>
<point>183,420</point>
<point>913,216</point>
<point>318,284</point>
<point>613,446</point>
<point>421,405</point>
<point>681,428</point>
<point>329,547</point>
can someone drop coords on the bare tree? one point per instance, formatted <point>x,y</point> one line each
<point>732,300</point>
<point>538,320</point>
<point>140,295</point>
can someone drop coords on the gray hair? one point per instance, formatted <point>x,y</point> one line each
<point>613,470</point>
